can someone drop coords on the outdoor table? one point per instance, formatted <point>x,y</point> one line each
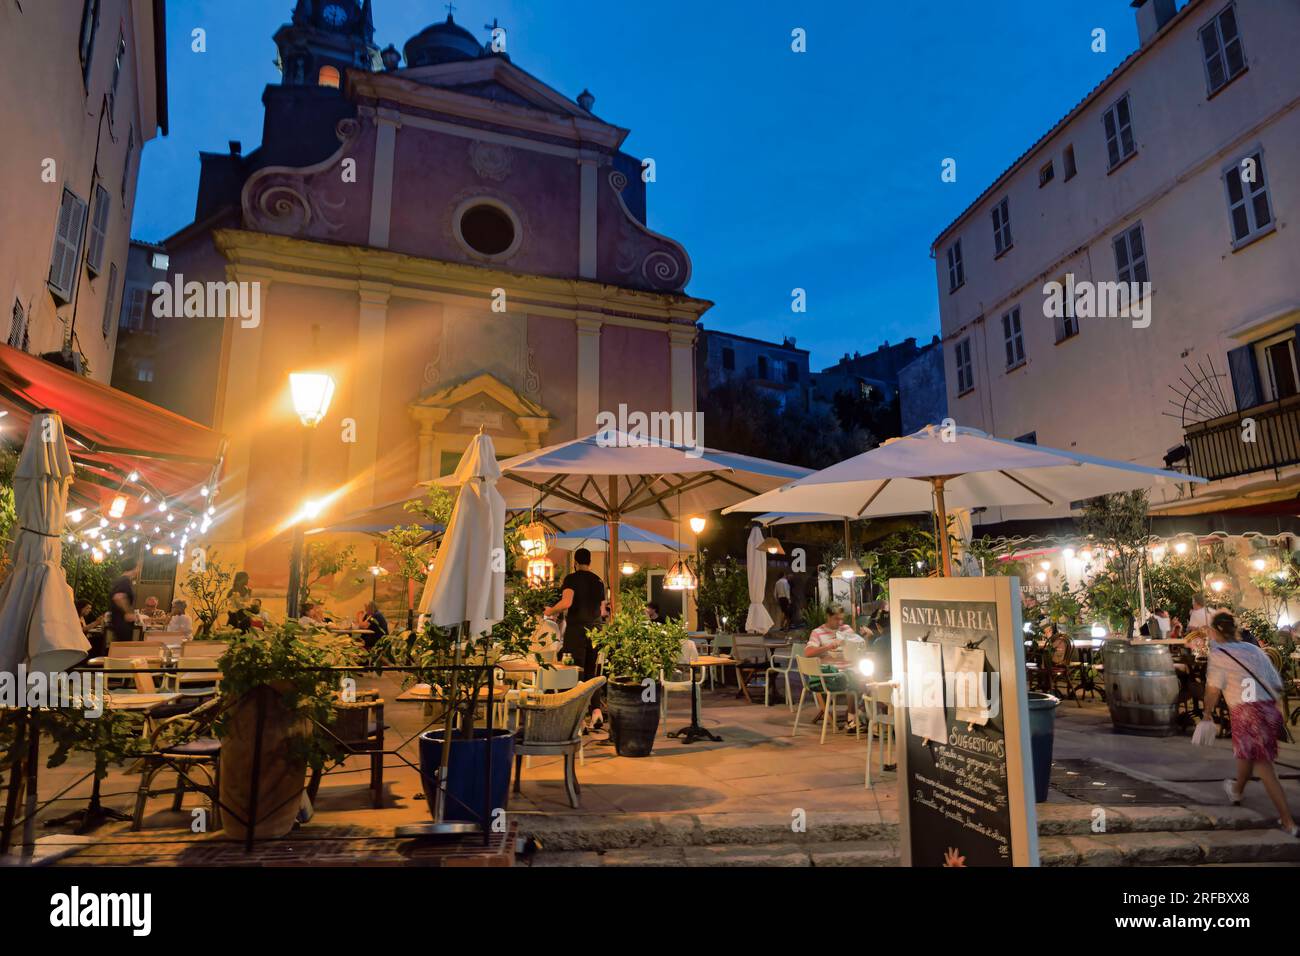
<point>143,704</point>
<point>694,732</point>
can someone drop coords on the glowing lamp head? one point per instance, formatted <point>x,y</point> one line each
<point>1041,577</point>
<point>1068,554</point>
<point>848,569</point>
<point>1098,630</point>
<point>311,509</point>
<point>628,568</point>
<point>697,524</point>
<point>118,508</point>
<point>1217,585</point>
<point>312,392</point>
<point>866,666</point>
<point>1259,564</point>
<point>771,545</point>
<point>1180,547</point>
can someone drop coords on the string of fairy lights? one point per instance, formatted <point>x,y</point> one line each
<point>157,525</point>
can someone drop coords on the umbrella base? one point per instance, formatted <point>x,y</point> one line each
<point>436,830</point>
<point>692,733</point>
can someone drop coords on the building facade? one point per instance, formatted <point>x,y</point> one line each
<point>86,85</point>
<point>460,246</point>
<point>1173,183</point>
<point>922,390</point>
<point>777,369</point>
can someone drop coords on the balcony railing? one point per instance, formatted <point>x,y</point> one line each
<point>1219,448</point>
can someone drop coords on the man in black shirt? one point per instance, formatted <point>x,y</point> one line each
<point>121,605</point>
<point>581,595</point>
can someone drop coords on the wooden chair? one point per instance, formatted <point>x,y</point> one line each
<point>752,657</point>
<point>721,646</point>
<point>551,724</point>
<point>1062,667</point>
<point>358,727</point>
<point>183,743</point>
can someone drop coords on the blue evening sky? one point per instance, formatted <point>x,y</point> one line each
<point>776,170</point>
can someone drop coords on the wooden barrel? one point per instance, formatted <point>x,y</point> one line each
<point>1141,688</point>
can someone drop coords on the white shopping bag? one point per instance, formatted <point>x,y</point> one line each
<point>1205,734</point>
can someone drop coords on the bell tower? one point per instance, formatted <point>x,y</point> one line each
<point>324,39</point>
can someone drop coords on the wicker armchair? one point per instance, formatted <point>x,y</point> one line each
<point>183,743</point>
<point>552,724</point>
<point>358,727</point>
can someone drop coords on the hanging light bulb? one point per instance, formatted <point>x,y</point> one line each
<point>147,498</point>
<point>771,545</point>
<point>133,477</point>
<point>1259,564</point>
<point>697,524</point>
<point>103,522</point>
<point>118,508</point>
<point>76,514</point>
<point>680,577</point>
<point>628,568</point>
<point>162,506</point>
<point>97,556</point>
<point>535,540</point>
<point>540,572</point>
<point>204,491</point>
<point>1180,547</point>
<point>848,569</point>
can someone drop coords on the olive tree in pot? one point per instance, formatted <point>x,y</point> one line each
<point>277,678</point>
<point>637,651</point>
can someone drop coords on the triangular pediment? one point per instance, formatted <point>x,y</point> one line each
<point>495,78</point>
<point>484,385</point>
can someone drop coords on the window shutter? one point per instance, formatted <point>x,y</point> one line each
<point>1245,377</point>
<point>67,245</point>
<point>98,230</point>
<point>109,299</point>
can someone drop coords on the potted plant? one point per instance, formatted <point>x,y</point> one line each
<point>637,650</point>
<point>278,679</point>
<point>434,651</point>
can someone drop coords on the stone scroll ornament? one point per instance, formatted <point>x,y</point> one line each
<point>647,259</point>
<point>306,201</point>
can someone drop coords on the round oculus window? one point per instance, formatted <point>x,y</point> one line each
<point>487,230</point>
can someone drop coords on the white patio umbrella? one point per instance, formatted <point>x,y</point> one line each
<point>38,615</point>
<point>616,475</point>
<point>757,621</point>
<point>962,467</point>
<point>39,627</point>
<point>465,589</point>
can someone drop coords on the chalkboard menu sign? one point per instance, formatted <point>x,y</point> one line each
<point>964,770</point>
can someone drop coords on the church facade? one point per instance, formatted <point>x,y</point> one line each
<point>460,246</point>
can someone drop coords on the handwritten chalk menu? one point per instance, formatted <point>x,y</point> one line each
<point>964,769</point>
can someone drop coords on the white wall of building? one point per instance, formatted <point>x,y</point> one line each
<point>1104,390</point>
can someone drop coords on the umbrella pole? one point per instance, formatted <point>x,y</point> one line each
<point>614,518</point>
<point>449,708</point>
<point>16,771</point>
<point>853,592</point>
<point>33,765</point>
<point>941,530</point>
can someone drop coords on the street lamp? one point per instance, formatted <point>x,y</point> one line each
<point>697,524</point>
<point>311,393</point>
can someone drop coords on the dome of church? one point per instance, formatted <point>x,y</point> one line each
<point>444,42</point>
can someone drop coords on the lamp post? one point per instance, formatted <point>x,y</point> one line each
<point>311,392</point>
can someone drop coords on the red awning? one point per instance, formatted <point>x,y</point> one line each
<point>110,433</point>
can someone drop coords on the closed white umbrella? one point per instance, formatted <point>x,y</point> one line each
<point>757,621</point>
<point>38,615</point>
<point>465,589</point>
<point>962,467</point>
<point>466,584</point>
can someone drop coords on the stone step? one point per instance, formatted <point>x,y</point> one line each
<point>623,831</point>
<point>1184,848</point>
<point>848,853</point>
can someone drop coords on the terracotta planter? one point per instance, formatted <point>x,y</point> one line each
<point>283,773</point>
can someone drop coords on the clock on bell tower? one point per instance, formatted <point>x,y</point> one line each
<point>324,39</point>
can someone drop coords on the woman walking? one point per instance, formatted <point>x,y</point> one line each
<point>1251,687</point>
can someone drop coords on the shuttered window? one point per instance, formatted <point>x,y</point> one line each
<point>18,327</point>
<point>1225,59</point>
<point>1002,227</point>
<point>1249,211</point>
<point>1118,122</point>
<point>67,245</point>
<point>110,297</point>
<point>98,230</point>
